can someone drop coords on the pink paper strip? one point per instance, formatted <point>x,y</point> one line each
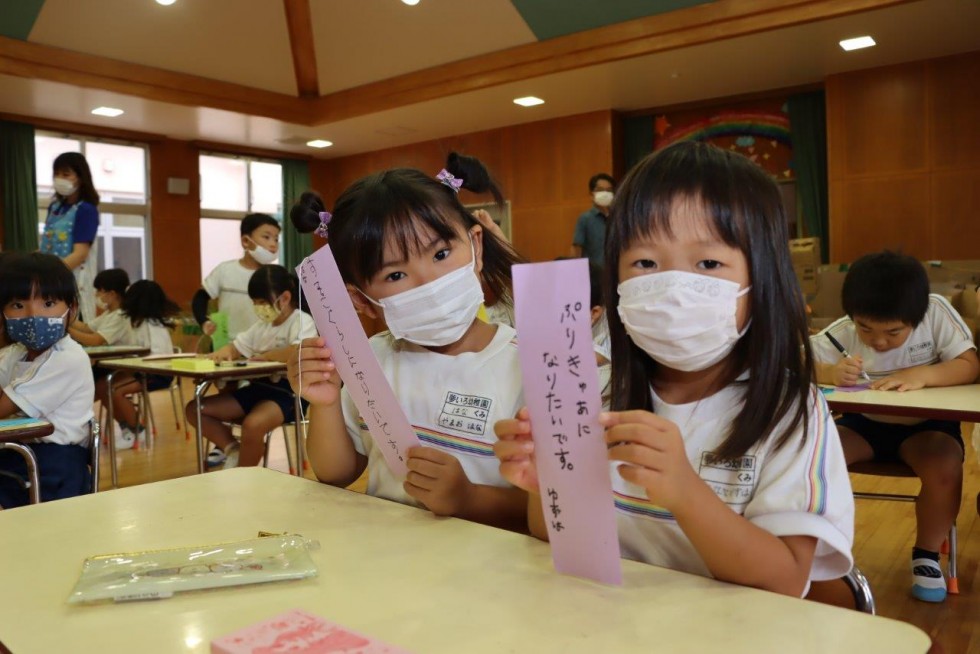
<point>299,632</point>
<point>852,389</point>
<point>561,387</point>
<point>338,324</point>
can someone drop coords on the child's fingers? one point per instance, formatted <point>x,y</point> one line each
<point>638,455</point>
<point>429,455</point>
<point>417,479</point>
<point>513,450</point>
<point>611,419</point>
<point>316,342</point>
<point>512,428</point>
<point>638,434</point>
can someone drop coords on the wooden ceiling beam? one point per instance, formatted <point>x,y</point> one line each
<point>299,22</point>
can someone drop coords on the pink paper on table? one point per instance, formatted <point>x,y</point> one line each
<point>338,324</point>
<point>561,387</point>
<point>852,389</point>
<point>300,632</point>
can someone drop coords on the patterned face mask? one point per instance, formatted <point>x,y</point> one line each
<point>36,333</point>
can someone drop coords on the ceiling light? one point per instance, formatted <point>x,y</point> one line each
<point>411,3</point>
<point>166,3</point>
<point>319,143</point>
<point>857,43</point>
<point>109,112</point>
<point>528,101</point>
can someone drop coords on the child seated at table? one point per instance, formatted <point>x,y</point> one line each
<point>262,405</point>
<point>44,374</point>
<point>149,313</point>
<point>110,327</point>
<point>410,252</point>
<point>903,338</point>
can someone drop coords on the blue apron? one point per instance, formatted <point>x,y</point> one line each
<point>58,238</point>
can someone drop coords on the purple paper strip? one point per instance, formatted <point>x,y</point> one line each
<point>561,387</point>
<point>338,324</point>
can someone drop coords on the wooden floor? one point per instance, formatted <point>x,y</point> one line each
<point>884,531</point>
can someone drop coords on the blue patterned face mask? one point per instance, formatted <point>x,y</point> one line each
<point>36,333</point>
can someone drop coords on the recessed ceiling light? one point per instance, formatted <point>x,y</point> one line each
<point>857,43</point>
<point>109,112</point>
<point>528,101</point>
<point>319,143</point>
<point>166,3</point>
<point>411,3</point>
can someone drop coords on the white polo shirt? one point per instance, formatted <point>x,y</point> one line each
<point>228,283</point>
<point>262,336</point>
<point>113,326</point>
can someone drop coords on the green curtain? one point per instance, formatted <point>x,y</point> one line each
<point>637,139</point>
<point>18,186</point>
<point>808,128</point>
<point>295,180</point>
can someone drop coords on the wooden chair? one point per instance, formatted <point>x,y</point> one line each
<point>883,469</point>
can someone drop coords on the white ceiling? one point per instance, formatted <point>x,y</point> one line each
<point>781,58</point>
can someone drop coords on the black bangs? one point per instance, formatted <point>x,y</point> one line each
<point>396,205</point>
<point>27,275</point>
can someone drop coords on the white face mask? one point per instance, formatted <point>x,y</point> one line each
<point>100,303</point>
<point>682,320</point>
<point>262,255</point>
<point>63,187</point>
<point>602,198</point>
<point>437,313</point>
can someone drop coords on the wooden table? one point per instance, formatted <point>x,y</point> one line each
<point>97,353</point>
<point>398,573</point>
<point>959,403</point>
<point>202,381</point>
<point>15,430</point>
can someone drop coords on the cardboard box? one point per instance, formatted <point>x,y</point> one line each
<point>805,255</point>
<point>807,277</point>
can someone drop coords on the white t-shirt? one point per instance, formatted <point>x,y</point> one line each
<point>941,336</point>
<point>228,283</point>
<point>801,489</point>
<point>153,335</point>
<point>501,313</point>
<point>113,326</point>
<point>452,403</point>
<point>262,336</point>
<point>57,387</point>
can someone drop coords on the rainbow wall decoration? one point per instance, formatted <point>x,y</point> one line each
<point>761,125</point>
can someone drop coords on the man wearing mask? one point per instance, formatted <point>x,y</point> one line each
<point>590,230</point>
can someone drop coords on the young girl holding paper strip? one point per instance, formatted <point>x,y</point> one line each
<point>411,253</point>
<point>726,462</point>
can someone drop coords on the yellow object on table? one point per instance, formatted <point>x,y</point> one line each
<point>195,364</point>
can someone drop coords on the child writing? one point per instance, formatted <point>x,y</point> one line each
<point>261,406</point>
<point>725,461</point>
<point>228,282</point>
<point>72,224</point>
<point>149,312</point>
<point>411,253</point>
<point>111,327</point>
<point>44,374</point>
<point>903,339</point>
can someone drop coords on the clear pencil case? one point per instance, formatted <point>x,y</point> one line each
<point>159,574</point>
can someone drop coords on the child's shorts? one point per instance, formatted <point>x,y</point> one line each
<point>62,470</point>
<point>157,382</point>
<point>260,390</point>
<point>885,438</point>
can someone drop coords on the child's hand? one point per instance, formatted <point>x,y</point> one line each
<point>437,480</point>
<point>221,355</point>
<point>847,372</point>
<point>486,220</point>
<point>320,383</point>
<point>652,450</point>
<point>906,380</point>
<point>208,328</point>
<point>515,451</point>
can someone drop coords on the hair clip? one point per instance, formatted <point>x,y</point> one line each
<point>447,178</point>
<point>325,218</point>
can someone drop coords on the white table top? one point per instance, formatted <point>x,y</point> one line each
<point>961,403</point>
<point>399,574</point>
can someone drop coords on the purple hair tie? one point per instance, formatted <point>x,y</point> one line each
<point>325,218</point>
<point>447,178</point>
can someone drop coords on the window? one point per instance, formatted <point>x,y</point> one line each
<point>230,188</point>
<point>119,174</point>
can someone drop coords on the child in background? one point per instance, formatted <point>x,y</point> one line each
<point>111,327</point>
<point>263,405</point>
<point>149,312</point>
<point>903,338</point>
<point>725,460</point>
<point>228,282</point>
<point>72,224</point>
<point>44,374</point>
<point>410,252</point>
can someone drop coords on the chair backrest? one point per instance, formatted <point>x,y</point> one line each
<point>863,599</point>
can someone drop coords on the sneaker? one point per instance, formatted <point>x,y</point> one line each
<point>928,583</point>
<point>125,439</point>
<point>215,457</point>
<point>231,456</point>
